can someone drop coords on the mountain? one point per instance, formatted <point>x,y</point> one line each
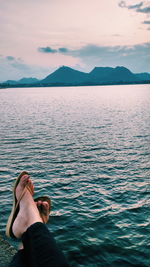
<point>28,80</point>
<point>99,75</point>
<point>111,75</point>
<point>143,76</point>
<point>23,81</point>
<point>66,75</point>
<point>11,82</point>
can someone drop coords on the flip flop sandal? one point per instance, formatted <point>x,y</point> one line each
<point>15,208</point>
<point>44,214</point>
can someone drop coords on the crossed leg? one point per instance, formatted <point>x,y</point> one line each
<point>39,246</point>
<point>28,212</point>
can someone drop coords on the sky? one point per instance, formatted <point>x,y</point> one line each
<point>39,36</point>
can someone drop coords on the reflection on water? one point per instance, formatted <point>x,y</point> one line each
<point>88,148</point>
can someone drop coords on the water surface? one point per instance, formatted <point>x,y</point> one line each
<point>88,149</point>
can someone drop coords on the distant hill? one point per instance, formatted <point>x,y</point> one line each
<point>65,75</point>
<point>11,82</point>
<point>143,76</point>
<point>118,74</point>
<point>28,80</point>
<point>99,75</point>
<point>23,81</point>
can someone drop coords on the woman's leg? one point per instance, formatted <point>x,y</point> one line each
<point>19,260</point>
<point>40,248</point>
<point>43,204</point>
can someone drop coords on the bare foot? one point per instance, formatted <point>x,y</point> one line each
<point>28,213</point>
<point>44,210</point>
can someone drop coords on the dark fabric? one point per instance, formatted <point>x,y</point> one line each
<point>18,260</point>
<point>40,249</point>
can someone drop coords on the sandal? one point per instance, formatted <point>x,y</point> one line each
<point>15,207</point>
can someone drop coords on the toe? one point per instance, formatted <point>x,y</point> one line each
<point>39,202</point>
<point>45,205</point>
<point>24,180</point>
<point>30,186</point>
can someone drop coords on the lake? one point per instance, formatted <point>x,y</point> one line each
<point>88,148</point>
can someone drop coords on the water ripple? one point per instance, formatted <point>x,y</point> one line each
<point>88,149</point>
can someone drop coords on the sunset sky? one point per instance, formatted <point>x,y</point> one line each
<point>38,36</point>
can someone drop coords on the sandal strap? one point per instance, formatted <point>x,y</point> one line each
<point>21,196</point>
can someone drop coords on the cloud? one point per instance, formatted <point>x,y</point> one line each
<point>86,51</point>
<point>17,63</point>
<point>47,50</point>
<point>63,50</point>
<point>140,7</point>
<point>10,58</point>
<point>15,68</point>
<point>144,10</point>
<point>92,50</point>
<point>137,6</point>
<point>146,22</point>
<point>135,57</point>
<point>122,4</point>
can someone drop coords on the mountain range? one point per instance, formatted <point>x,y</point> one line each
<point>65,76</point>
